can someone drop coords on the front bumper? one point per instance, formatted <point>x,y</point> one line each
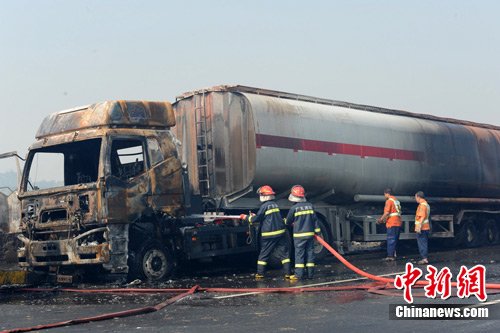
<point>63,252</point>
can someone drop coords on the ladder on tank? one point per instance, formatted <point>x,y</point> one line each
<point>203,125</point>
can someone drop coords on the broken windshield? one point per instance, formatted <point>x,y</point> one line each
<point>64,165</point>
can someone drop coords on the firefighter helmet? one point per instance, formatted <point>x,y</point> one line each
<point>297,194</point>
<point>265,190</point>
<point>298,191</point>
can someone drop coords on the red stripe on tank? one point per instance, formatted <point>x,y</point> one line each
<point>296,144</point>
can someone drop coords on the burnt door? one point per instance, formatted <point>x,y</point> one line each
<point>166,178</point>
<point>127,181</point>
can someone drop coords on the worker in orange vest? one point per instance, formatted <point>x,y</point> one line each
<point>392,218</point>
<point>422,226</point>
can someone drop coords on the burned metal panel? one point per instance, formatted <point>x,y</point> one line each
<point>487,144</point>
<point>63,214</point>
<point>139,114</point>
<point>4,213</point>
<point>77,250</point>
<point>118,238</point>
<point>14,213</point>
<point>126,200</point>
<point>128,186</point>
<point>8,248</point>
<point>464,167</point>
<point>461,161</point>
<point>232,141</point>
<point>185,132</point>
<point>165,174</point>
<point>166,186</point>
<point>453,161</point>
<point>440,153</point>
<point>72,205</point>
<point>242,139</point>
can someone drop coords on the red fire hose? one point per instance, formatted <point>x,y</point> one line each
<point>201,289</point>
<point>148,309</point>
<point>120,314</point>
<point>379,278</point>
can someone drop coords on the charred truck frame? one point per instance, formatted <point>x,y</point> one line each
<point>143,184</point>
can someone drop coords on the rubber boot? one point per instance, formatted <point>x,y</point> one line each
<point>288,270</point>
<point>310,272</point>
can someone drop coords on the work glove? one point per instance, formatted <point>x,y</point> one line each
<point>245,217</point>
<point>418,228</point>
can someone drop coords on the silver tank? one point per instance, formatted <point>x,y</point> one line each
<point>237,138</point>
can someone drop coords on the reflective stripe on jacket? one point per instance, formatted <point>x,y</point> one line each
<point>271,223</point>
<point>422,216</point>
<point>304,220</point>
<point>393,207</point>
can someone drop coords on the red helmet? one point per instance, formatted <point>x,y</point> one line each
<point>265,190</point>
<point>298,191</point>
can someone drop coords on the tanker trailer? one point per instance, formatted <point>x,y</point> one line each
<point>143,185</point>
<point>237,138</point>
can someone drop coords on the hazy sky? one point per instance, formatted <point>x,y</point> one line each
<point>436,57</point>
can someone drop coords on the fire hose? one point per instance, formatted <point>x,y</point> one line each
<point>379,278</point>
<point>377,288</point>
<point>120,314</point>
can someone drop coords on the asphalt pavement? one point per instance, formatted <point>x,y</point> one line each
<point>333,311</point>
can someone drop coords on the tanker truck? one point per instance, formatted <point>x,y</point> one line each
<point>144,185</point>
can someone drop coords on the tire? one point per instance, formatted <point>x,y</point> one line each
<point>320,251</point>
<point>153,262</point>
<point>469,235</point>
<point>492,233</point>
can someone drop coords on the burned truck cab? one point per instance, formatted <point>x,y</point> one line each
<point>103,167</point>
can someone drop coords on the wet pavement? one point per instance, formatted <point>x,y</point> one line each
<point>333,311</point>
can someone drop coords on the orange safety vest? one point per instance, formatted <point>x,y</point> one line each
<point>393,207</point>
<point>422,215</point>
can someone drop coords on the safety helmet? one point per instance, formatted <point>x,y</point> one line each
<point>265,190</point>
<point>297,194</point>
<point>298,191</point>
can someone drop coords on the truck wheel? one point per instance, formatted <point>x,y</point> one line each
<point>492,232</point>
<point>469,234</point>
<point>153,262</point>
<point>320,251</point>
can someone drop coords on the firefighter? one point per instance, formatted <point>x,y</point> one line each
<point>422,226</point>
<point>392,218</point>
<point>272,231</point>
<point>305,225</point>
